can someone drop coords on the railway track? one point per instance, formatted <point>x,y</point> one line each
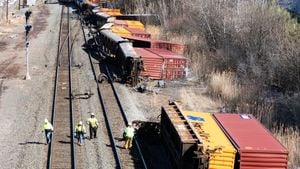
<point>116,121</point>
<point>129,158</point>
<point>61,151</point>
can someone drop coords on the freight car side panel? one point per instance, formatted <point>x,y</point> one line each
<point>257,148</point>
<point>221,151</point>
<point>138,32</point>
<point>152,64</point>
<point>178,138</point>
<point>174,65</point>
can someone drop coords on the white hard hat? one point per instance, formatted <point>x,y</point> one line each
<point>129,123</point>
<point>80,123</point>
<point>92,114</point>
<point>46,120</point>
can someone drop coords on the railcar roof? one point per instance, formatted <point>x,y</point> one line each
<point>114,37</point>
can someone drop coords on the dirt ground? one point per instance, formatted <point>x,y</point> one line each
<point>25,103</point>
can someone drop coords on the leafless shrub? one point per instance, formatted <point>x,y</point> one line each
<point>155,31</point>
<point>289,137</point>
<point>287,110</point>
<point>224,86</point>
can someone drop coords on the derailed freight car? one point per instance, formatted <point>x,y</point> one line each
<point>256,146</point>
<point>219,141</point>
<point>219,149</point>
<point>119,52</point>
<point>180,139</point>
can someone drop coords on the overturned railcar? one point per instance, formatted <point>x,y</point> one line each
<point>183,142</point>
<point>120,55</point>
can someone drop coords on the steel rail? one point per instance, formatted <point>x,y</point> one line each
<point>49,155</point>
<point>121,107</point>
<point>125,117</point>
<point>73,156</point>
<point>107,123</point>
<point>59,51</point>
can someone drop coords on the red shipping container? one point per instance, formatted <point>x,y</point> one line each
<point>152,64</point>
<point>256,146</point>
<point>156,43</point>
<point>138,32</point>
<point>120,23</point>
<point>174,47</point>
<point>174,65</point>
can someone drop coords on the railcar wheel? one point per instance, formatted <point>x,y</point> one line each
<point>102,78</point>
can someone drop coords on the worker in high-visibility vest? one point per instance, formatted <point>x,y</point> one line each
<point>48,129</point>
<point>80,131</point>
<point>93,125</point>
<point>128,134</point>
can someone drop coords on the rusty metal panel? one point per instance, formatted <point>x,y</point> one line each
<point>157,44</point>
<point>138,32</point>
<point>171,46</point>
<point>180,125</point>
<point>178,137</point>
<point>257,148</point>
<point>173,64</point>
<point>152,64</point>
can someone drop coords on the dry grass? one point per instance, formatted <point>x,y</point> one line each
<point>290,138</point>
<point>154,30</point>
<point>224,85</point>
<point>195,100</point>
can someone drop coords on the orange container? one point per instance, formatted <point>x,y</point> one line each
<point>138,32</point>
<point>120,31</point>
<point>135,24</point>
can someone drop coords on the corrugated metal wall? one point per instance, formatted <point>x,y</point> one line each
<point>257,147</point>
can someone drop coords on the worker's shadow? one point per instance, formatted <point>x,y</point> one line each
<point>119,139</point>
<point>120,147</point>
<point>30,142</point>
<point>64,142</point>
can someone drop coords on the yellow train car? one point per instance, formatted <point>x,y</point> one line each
<point>135,24</point>
<point>120,31</point>
<point>221,152</point>
<point>111,11</point>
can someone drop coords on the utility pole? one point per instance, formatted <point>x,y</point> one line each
<point>6,11</point>
<point>27,30</point>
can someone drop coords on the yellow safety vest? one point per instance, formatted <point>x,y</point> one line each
<point>47,126</point>
<point>129,132</point>
<point>80,128</point>
<point>93,122</point>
